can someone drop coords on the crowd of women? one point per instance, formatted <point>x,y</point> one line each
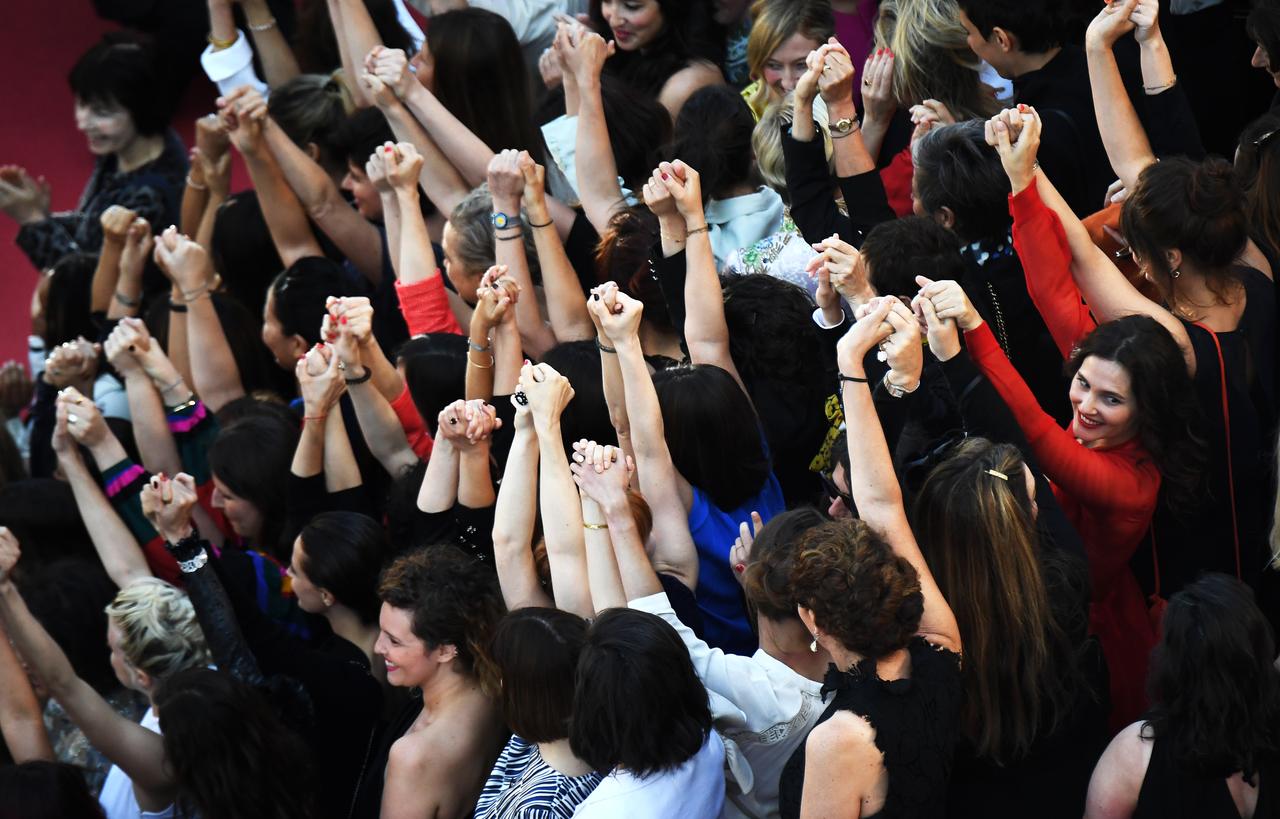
<point>654,408</point>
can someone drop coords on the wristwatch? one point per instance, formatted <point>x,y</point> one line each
<point>502,221</point>
<point>895,390</point>
<point>843,126</point>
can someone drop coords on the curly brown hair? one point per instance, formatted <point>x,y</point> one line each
<point>860,591</point>
<point>453,600</point>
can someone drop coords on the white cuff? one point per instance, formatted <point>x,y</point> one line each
<point>818,320</point>
<point>230,68</point>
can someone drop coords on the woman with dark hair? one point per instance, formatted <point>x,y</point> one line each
<point>1257,170</point>
<point>865,594</point>
<point>295,307</point>
<point>230,750</point>
<point>249,462</point>
<point>1210,746</point>
<point>140,164</point>
<point>45,790</point>
<point>640,712</point>
<point>1186,225</point>
<point>1263,27</point>
<point>317,42</point>
<point>439,610</point>
<point>536,652</point>
<point>666,48</point>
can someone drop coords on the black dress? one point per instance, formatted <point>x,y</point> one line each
<point>1169,791</point>
<point>916,721</point>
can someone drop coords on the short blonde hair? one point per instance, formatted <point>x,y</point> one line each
<point>932,58</point>
<point>159,633</point>
<point>766,140</point>
<point>773,22</point>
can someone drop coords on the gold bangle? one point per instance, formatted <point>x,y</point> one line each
<point>703,229</point>
<point>597,526</point>
<point>219,45</point>
<point>488,366</point>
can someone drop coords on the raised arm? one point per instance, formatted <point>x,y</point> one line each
<point>506,184</point>
<point>584,53</point>
<point>21,716</point>
<point>137,249</point>
<point>602,473</point>
<point>493,344</point>
<point>115,222</point>
<point>615,396</point>
<point>213,367</point>
<point>705,330</point>
<point>138,751</point>
<point>279,65</point>
<point>669,495</point>
<point>548,393</point>
<point>145,369</point>
<point>872,481</point>
<point>835,82</point>
<point>1122,135</point>
<point>566,304</point>
<point>357,35</point>
<point>514,519</point>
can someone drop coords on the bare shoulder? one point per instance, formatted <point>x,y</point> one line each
<point>1117,778</point>
<point>846,735</point>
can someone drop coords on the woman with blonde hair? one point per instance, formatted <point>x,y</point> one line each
<point>783,32</point>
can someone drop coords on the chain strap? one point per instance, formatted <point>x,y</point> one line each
<point>1002,335</point>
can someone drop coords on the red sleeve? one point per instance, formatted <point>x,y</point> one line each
<point>1046,262</point>
<point>896,178</point>
<point>1099,478</point>
<point>414,430</point>
<point>425,306</point>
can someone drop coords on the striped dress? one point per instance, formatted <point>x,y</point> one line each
<point>523,786</point>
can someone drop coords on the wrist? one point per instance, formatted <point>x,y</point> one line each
<point>841,109</point>
<point>1019,182</point>
<point>177,534</point>
<point>616,506</point>
<point>969,323</point>
<point>510,205</point>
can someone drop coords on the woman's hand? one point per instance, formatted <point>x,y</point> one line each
<point>658,198</point>
<point>119,349</point>
<point>1114,20</point>
<point>621,321</point>
<point>535,186</point>
<point>586,54</point>
<point>506,181</point>
<point>320,382</point>
<point>349,314</point>
<point>391,67</point>
<point>115,222</point>
<point>950,302</point>
<point>73,364</point>
<point>807,86</point>
<point>167,505</point>
<point>403,164</point>
<point>242,114</point>
<point>497,294</point>
<point>685,186</point>
<point>902,349</point>
<point>9,554</point>
<point>943,334</point>
<point>871,328</point>
<point>602,473</point>
<point>1018,155</point>
<point>84,421</point>
<point>547,391</point>
<point>184,261</point>
<point>26,200</point>
<point>212,140</point>
<point>878,102</point>
<point>602,302</point>
<point>844,266</point>
<point>138,247</point>
<point>835,82</point>
<point>550,68</point>
<point>740,553</point>
<point>376,170</point>
<point>466,424</point>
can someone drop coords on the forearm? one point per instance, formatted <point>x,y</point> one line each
<point>535,335</point>
<point>340,469</point>
<point>417,259</point>
<point>440,180</point>
<point>151,427</point>
<point>112,540</point>
<point>391,222</point>
<point>468,153</point>
<point>1122,135</point>
<point>214,371</point>
<point>218,622</point>
<point>204,229</point>
<point>597,170</point>
<point>705,331</point>
<point>439,491</point>
<point>21,719</point>
<point>1157,66</point>
<point>194,201</point>
<point>279,65</point>
<point>44,656</point>
<point>357,36</point>
<point>475,486</point>
<point>283,212</point>
<point>566,304</point>
<point>308,456</point>
<point>850,153</point>
<point>105,276</point>
<point>508,356</point>
<point>381,428</point>
<point>631,561</point>
<point>386,379</point>
<point>127,297</point>
<point>513,522</point>
<point>177,346</point>
<point>562,522</point>
<point>607,591</point>
<point>643,411</point>
<point>480,363</point>
<point>873,133</point>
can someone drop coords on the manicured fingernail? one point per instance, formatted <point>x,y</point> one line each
<point>664,176</point>
<point>342,320</point>
<point>389,149</point>
<point>740,567</point>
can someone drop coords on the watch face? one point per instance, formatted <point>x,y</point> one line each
<point>500,220</point>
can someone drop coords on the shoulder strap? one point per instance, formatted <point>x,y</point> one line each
<point>1226,425</point>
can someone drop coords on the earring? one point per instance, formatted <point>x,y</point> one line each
<point>1177,273</point>
<point>813,647</point>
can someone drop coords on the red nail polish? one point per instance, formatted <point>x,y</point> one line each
<point>389,149</point>
<point>664,176</point>
<point>342,320</point>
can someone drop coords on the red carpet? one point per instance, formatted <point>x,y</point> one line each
<point>39,133</point>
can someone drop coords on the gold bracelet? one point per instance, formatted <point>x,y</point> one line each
<point>488,366</point>
<point>595,526</point>
<point>219,45</point>
<point>703,229</point>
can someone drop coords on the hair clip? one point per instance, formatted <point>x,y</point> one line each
<point>997,474</point>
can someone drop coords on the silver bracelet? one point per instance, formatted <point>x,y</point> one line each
<point>195,564</point>
<point>267,26</point>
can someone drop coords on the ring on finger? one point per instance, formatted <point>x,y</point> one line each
<point>72,418</point>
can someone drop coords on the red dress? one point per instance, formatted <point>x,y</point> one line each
<point>1108,494</point>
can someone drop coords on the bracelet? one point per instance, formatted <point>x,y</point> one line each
<point>176,306</point>
<point>219,45</point>
<point>315,417</point>
<point>1151,89</point>
<point>368,373</point>
<point>195,564</point>
<point>510,238</point>
<point>267,26</point>
<point>126,301</point>
<point>842,378</point>
<point>486,348</point>
<point>854,130</point>
<point>479,366</point>
<point>188,298</point>
<point>703,229</point>
<point>189,403</point>
<point>191,183</point>
<point>174,385</point>
<point>605,349</point>
<point>189,552</point>
<point>547,223</point>
<point>594,526</point>
<point>667,237</point>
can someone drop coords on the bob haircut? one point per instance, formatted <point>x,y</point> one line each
<point>252,457</point>
<point>435,368</point>
<point>536,651</point>
<point>713,134</point>
<point>897,251</point>
<point>344,554</point>
<point>955,168</point>
<point>1038,24</point>
<point>1215,692</point>
<point>638,703</point>
<point>453,599</point>
<point>300,294</point>
<point>121,69</point>
<point>713,433</point>
<point>767,580</point>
